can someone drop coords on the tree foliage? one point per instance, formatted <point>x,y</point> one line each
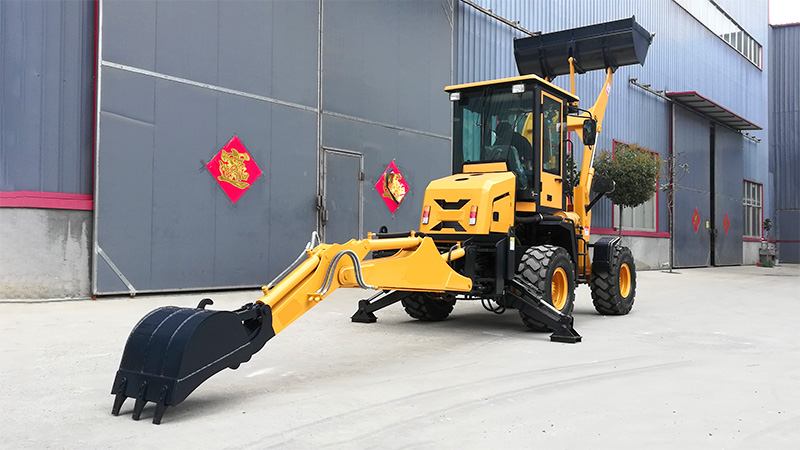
<point>634,170</point>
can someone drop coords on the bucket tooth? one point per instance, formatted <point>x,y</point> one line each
<point>140,401</point>
<point>172,350</point>
<point>120,398</point>
<point>160,409</point>
<point>161,405</point>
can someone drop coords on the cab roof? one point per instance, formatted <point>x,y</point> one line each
<point>513,80</point>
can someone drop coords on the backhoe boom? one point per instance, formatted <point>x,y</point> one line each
<point>172,350</point>
<point>417,266</point>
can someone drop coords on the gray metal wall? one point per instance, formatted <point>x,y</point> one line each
<point>46,67</point>
<point>179,79</point>
<point>685,56</point>
<point>385,66</point>
<point>693,142</point>
<point>785,138</point>
<point>727,201</point>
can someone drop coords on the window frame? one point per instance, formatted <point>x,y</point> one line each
<point>745,206</point>
<point>702,11</point>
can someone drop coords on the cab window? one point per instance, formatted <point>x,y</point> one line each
<point>492,127</point>
<point>551,135</point>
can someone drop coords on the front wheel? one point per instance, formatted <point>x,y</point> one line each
<point>614,289</point>
<point>429,307</point>
<point>550,269</point>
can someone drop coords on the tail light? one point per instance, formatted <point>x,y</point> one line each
<point>473,215</point>
<point>426,214</point>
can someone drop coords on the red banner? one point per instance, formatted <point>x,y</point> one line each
<point>234,169</point>
<point>392,187</point>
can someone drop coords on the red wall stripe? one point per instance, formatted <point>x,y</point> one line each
<point>49,200</point>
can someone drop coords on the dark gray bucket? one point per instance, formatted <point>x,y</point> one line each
<point>610,44</point>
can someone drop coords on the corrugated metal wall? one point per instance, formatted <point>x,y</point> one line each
<point>179,79</point>
<point>684,56</point>
<point>785,138</point>
<point>693,193</point>
<point>46,97</point>
<point>388,62</point>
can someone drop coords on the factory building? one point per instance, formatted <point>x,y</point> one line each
<point>116,115</point>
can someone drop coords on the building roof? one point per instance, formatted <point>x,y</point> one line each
<point>712,110</point>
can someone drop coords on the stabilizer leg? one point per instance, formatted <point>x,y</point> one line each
<point>381,300</point>
<point>523,296</point>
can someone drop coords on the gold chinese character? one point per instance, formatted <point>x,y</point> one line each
<point>394,188</point>
<point>232,168</point>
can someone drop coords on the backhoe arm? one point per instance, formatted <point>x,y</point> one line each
<point>172,350</point>
<point>417,266</point>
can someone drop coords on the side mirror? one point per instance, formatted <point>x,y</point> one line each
<point>589,131</point>
<point>603,185</point>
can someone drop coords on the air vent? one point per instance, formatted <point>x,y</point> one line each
<point>452,206</point>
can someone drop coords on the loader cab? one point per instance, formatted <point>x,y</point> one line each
<point>518,121</point>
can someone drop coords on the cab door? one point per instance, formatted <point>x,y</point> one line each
<point>551,145</point>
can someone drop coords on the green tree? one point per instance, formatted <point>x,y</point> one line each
<point>635,172</point>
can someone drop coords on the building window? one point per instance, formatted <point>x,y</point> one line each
<point>752,209</point>
<point>643,217</point>
<point>720,23</point>
<point>640,218</point>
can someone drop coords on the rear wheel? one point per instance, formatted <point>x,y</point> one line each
<point>429,307</point>
<point>549,268</point>
<point>613,290</point>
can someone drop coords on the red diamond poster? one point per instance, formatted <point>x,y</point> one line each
<point>696,220</point>
<point>234,169</point>
<point>392,187</point>
<point>726,223</point>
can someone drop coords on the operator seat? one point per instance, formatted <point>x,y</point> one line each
<point>507,148</point>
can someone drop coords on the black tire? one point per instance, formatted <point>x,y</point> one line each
<point>614,290</point>
<point>429,307</point>
<point>538,267</point>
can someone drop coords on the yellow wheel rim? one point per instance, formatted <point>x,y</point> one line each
<point>559,289</point>
<point>625,280</point>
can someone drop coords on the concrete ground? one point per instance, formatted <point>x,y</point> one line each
<point>709,358</point>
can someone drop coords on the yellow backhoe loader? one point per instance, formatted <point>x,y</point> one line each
<point>507,229</point>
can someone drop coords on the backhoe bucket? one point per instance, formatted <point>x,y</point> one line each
<point>173,350</point>
<point>610,44</point>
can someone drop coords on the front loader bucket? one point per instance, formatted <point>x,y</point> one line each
<point>173,350</point>
<point>610,44</point>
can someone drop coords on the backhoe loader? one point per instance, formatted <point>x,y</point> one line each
<point>507,229</point>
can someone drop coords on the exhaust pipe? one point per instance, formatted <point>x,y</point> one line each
<point>172,350</point>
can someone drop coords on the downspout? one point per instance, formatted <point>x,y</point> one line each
<point>320,152</point>
<point>671,191</point>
